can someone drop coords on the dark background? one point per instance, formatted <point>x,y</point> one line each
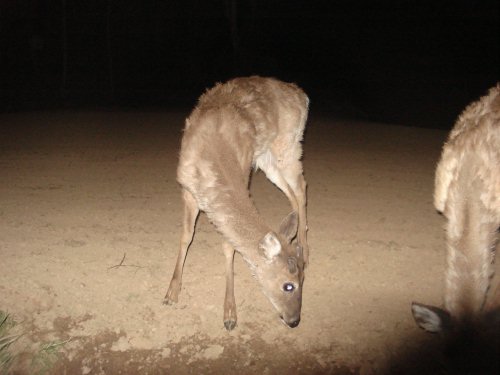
<point>412,62</point>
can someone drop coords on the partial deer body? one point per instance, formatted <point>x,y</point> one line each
<point>467,192</point>
<point>247,123</point>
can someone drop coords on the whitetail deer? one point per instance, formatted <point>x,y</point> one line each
<point>467,192</point>
<point>244,123</point>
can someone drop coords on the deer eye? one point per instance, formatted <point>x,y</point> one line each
<point>288,287</point>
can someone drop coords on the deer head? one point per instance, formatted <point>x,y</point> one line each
<point>280,268</point>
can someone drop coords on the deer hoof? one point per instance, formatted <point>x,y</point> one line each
<point>168,302</point>
<point>170,299</point>
<point>230,324</point>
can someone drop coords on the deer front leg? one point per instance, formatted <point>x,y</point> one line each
<point>190,214</point>
<point>229,303</point>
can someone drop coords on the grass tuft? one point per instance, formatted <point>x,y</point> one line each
<point>42,361</point>
<point>46,357</point>
<point>6,340</point>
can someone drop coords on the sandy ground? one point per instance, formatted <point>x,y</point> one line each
<point>90,218</point>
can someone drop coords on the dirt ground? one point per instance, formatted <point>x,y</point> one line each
<point>90,217</point>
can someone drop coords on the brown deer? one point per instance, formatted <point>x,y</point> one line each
<point>467,192</point>
<point>242,124</point>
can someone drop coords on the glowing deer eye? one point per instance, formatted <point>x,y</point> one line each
<point>288,287</point>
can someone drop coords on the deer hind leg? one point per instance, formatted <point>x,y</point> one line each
<point>291,181</point>
<point>230,317</point>
<point>190,214</point>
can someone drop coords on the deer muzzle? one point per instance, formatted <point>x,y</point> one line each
<point>292,323</point>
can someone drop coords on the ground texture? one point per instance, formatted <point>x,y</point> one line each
<point>90,216</point>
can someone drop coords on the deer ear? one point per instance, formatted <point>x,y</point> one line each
<point>288,227</point>
<point>270,245</point>
<point>430,318</point>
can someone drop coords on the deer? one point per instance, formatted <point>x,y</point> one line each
<point>467,193</point>
<point>243,125</point>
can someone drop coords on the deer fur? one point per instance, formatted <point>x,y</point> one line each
<point>467,192</point>
<point>244,124</point>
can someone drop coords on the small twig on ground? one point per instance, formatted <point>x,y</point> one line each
<point>124,265</point>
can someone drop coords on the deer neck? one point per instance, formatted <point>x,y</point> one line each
<point>240,223</point>
<point>472,237</point>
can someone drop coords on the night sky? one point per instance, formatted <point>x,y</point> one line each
<point>412,62</point>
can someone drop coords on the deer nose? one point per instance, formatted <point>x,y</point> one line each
<point>294,323</point>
